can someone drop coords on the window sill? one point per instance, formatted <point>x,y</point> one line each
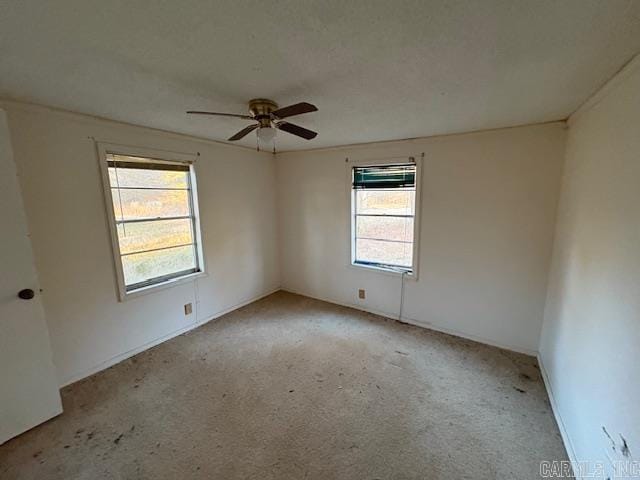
<point>385,270</point>
<point>124,296</point>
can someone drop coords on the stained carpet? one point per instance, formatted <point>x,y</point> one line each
<point>294,388</point>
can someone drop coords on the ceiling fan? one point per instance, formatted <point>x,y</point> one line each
<point>268,118</point>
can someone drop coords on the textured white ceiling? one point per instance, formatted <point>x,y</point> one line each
<point>377,70</point>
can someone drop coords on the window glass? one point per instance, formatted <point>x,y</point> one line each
<point>147,178</point>
<point>140,267</point>
<point>397,229</point>
<point>384,213</point>
<point>384,253</point>
<point>136,204</point>
<point>141,236</point>
<point>153,208</point>
<point>386,202</point>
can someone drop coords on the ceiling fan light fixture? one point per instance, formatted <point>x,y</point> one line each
<point>266,134</point>
<point>268,118</point>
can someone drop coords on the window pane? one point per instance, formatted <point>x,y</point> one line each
<point>135,177</point>
<point>132,204</point>
<point>136,237</point>
<point>144,266</point>
<point>383,252</point>
<point>386,202</point>
<point>386,228</point>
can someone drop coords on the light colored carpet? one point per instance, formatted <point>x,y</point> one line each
<point>293,388</point>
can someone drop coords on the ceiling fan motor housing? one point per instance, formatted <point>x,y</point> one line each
<point>261,109</point>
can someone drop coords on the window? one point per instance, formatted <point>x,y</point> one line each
<point>153,220</point>
<point>384,212</point>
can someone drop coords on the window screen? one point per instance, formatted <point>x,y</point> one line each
<point>384,200</point>
<point>154,217</point>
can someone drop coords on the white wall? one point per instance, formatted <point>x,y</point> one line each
<point>590,346</point>
<point>488,211</point>
<point>59,175</point>
<point>488,208</point>
<point>487,227</point>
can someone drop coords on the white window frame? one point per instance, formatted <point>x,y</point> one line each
<point>105,149</point>
<point>413,274</point>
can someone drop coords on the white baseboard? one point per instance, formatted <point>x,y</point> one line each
<point>475,338</point>
<point>418,323</point>
<point>556,413</point>
<point>130,353</point>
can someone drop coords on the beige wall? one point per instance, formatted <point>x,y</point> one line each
<point>59,175</point>
<point>487,220</point>
<point>591,335</point>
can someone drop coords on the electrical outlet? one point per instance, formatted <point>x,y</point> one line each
<point>188,309</point>
<point>361,294</point>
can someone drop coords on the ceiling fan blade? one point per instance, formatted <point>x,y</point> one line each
<point>244,132</point>
<point>295,109</point>
<point>296,130</point>
<point>197,112</point>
